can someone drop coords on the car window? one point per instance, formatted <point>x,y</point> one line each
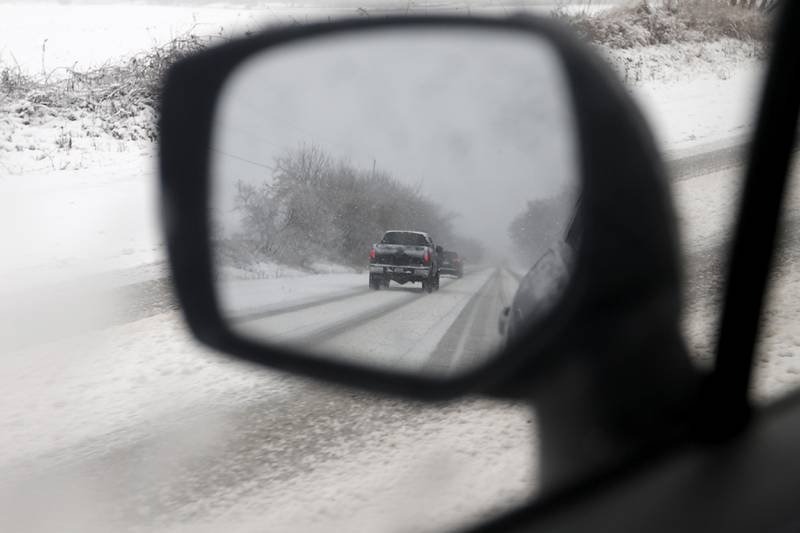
<point>113,418</point>
<point>400,237</point>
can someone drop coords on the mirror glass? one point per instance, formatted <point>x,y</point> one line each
<point>398,198</point>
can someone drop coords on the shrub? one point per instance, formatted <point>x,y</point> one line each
<point>113,93</point>
<point>540,225</point>
<point>688,21</point>
<point>315,208</point>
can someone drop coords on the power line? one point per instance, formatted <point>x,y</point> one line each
<point>244,159</point>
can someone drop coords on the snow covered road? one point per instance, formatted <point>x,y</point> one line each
<point>400,327</point>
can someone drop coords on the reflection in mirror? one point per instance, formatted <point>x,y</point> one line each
<point>386,197</point>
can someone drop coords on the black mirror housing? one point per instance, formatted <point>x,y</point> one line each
<point>626,268</point>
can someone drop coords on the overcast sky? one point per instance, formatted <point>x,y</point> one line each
<point>480,118</point>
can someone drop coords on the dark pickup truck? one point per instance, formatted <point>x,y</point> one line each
<point>404,256</point>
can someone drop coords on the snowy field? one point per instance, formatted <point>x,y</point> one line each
<point>146,408</point>
<point>49,37</point>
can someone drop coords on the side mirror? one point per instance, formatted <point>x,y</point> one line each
<point>439,249</point>
<point>284,154</point>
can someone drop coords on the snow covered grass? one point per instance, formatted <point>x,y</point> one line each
<point>58,226</point>
<point>35,137</point>
<point>691,104</point>
<point>636,25</point>
<point>51,37</point>
<point>54,118</point>
<point>681,62</point>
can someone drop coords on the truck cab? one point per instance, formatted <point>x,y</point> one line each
<point>404,257</point>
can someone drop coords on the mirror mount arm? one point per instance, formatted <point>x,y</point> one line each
<point>601,408</point>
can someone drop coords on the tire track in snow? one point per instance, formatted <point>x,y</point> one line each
<point>371,315</point>
<point>272,311</point>
<point>469,338</point>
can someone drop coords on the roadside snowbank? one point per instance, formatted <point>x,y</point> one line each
<point>62,225</point>
<point>694,95</point>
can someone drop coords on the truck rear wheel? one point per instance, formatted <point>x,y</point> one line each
<point>375,282</point>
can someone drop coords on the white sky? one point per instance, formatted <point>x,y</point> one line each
<point>480,118</point>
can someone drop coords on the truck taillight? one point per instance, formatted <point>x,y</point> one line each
<point>372,253</point>
<point>426,258</point>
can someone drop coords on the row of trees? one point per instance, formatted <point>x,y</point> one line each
<point>316,208</point>
<point>542,224</point>
<point>763,5</point>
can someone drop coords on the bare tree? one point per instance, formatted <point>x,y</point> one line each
<point>317,209</point>
<point>541,225</point>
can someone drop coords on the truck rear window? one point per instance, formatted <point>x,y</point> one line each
<point>405,238</point>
